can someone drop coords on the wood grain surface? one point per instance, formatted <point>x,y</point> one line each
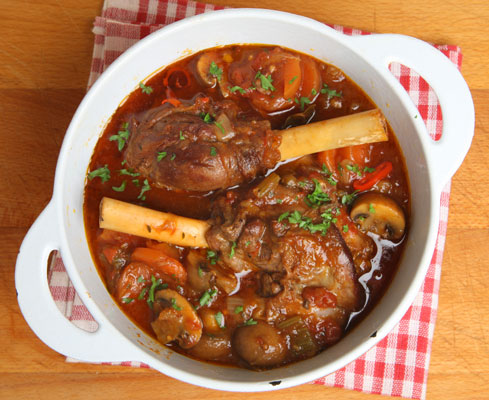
<point>45,53</point>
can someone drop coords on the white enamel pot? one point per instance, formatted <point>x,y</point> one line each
<point>365,59</point>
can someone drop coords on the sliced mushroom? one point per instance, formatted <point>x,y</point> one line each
<point>198,273</point>
<point>204,66</point>
<point>379,214</point>
<point>177,320</point>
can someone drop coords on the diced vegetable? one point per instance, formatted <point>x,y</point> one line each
<point>371,178</point>
<point>301,342</point>
<point>159,260</point>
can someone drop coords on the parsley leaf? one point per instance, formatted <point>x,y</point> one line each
<point>207,296</point>
<point>292,80</point>
<point>213,151</point>
<point>251,321</point>
<point>330,92</point>
<point>125,171</point>
<point>318,197</point>
<point>212,257</point>
<point>238,309</point>
<point>266,81</point>
<point>180,135</point>
<point>215,71</point>
<point>233,247</point>
<point>237,88</point>
<point>102,173</point>
<point>144,189</point>
<point>161,155</point>
<point>348,197</point>
<point>121,136</point>
<point>219,319</point>
<point>175,305</point>
<point>121,188</point>
<point>127,300</point>
<point>145,89</point>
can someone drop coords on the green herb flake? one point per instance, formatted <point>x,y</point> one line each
<point>235,89</point>
<point>279,201</point>
<point>173,156</point>
<point>371,208</point>
<point>121,137</point>
<point>144,189</point>
<point>212,257</point>
<point>180,135</point>
<point>219,316</point>
<point>232,252</point>
<point>161,155</point>
<point>292,80</point>
<point>200,272</point>
<point>213,151</point>
<point>348,198</point>
<point>120,188</point>
<point>175,305</point>
<point>303,101</point>
<point>251,321</point>
<point>283,216</point>
<point>330,92</point>
<point>332,181</point>
<point>266,81</point>
<point>368,169</point>
<point>318,196</point>
<point>207,296</point>
<point>206,117</point>
<point>215,71</point>
<point>141,279</point>
<point>314,92</point>
<point>127,300</point>
<point>345,228</point>
<point>354,168</point>
<point>326,170</point>
<point>143,293</point>
<point>238,309</point>
<point>102,173</point>
<point>221,128</point>
<point>129,172</point>
<point>145,89</point>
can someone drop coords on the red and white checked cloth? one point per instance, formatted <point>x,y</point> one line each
<point>397,365</point>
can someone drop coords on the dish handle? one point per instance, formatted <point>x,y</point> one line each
<point>445,155</point>
<point>39,309</point>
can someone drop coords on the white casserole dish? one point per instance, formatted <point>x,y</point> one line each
<point>365,59</point>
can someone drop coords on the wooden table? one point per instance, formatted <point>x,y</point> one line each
<point>45,53</point>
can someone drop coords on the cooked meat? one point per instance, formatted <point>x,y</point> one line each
<point>202,147</point>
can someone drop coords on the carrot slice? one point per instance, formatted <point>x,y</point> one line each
<point>172,101</point>
<point>158,259</point>
<point>292,78</point>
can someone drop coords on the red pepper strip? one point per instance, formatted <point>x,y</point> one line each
<point>173,102</point>
<point>371,178</point>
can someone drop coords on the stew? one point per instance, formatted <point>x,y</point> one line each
<point>295,253</point>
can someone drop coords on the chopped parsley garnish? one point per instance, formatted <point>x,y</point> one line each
<point>144,189</point>
<point>238,309</point>
<point>207,296</point>
<point>317,197</point>
<point>283,216</point>
<point>121,136</point>
<point>141,279</point>
<point>307,224</point>
<point>206,117</point>
<point>213,151</point>
<point>303,101</point>
<point>371,208</point>
<point>180,135</point>
<point>233,247</point>
<point>145,89</point>
<point>292,80</point>
<point>155,286</point>
<point>215,71</point>
<point>200,272</point>
<point>332,181</point>
<point>127,300</point>
<point>235,89</point>
<point>161,155</point>
<point>345,228</point>
<point>120,188</point>
<point>221,128</point>
<point>212,257</point>
<point>143,293</point>
<point>326,170</point>
<point>125,171</point>
<point>102,173</point>
<point>173,156</point>
<point>349,197</point>
<point>368,169</point>
<point>219,319</point>
<point>330,92</point>
<point>251,321</point>
<point>266,81</point>
<point>314,92</point>
<point>354,168</point>
<point>175,305</point>
<point>279,201</point>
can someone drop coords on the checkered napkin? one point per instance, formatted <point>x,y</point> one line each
<point>397,365</point>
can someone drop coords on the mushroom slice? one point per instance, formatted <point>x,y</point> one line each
<point>177,320</point>
<point>379,214</point>
<point>205,65</point>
